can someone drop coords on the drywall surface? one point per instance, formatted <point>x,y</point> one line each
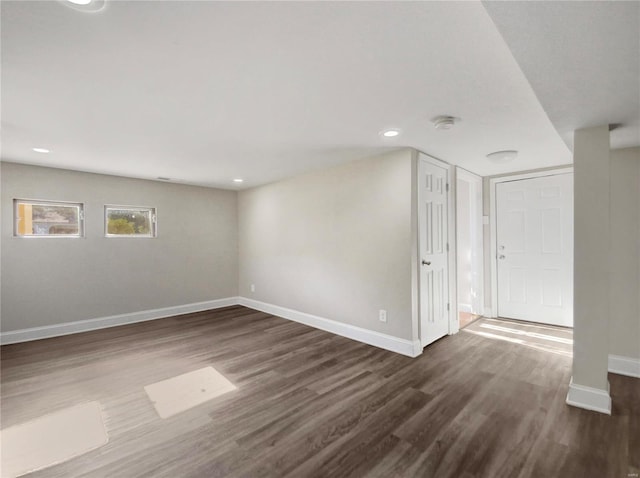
<point>624,322</point>
<point>335,243</point>
<point>463,246</point>
<point>591,257</point>
<point>48,281</point>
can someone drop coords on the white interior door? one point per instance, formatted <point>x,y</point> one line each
<point>433,238</point>
<point>535,249</point>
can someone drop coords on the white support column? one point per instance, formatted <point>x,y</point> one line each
<point>589,386</point>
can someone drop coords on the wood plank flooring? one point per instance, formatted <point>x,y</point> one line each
<point>312,404</point>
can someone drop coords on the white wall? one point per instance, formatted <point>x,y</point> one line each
<point>335,243</point>
<point>463,246</point>
<point>50,281</point>
<point>624,322</point>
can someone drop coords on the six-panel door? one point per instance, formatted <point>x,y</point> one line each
<point>535,249</point>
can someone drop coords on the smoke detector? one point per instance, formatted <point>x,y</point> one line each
<point>503,156</point>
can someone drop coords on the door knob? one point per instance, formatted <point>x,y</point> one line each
<point>425,263</point>
<point>501,256</point>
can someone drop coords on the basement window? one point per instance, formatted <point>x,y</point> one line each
<point>47,218</point>
<point>130,221</point>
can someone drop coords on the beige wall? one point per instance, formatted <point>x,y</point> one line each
<point>335,243</point>
<point>50,281</point>
<point>591,257</point>
<point>624,335</point>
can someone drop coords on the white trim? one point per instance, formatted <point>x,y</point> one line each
<point>477,233</point>
<point>388,342</point>
<point>589,398</point>
<point>488,312</point>
<point>417,348</point>
<point>410,348</point>
<point>415,252</point>
<point>624,365</point>
<point>452,257</point>
<point>493,233</point>
<point>36,333</point>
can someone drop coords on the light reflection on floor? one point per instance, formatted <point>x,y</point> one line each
<point>557,340</point>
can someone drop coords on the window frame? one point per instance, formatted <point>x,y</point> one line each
<point>153,216</point>
<point>48,202</point>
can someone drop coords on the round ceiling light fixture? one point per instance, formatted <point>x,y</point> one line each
<point>503,156</point>
<point>87,6</point>
<point>40,150</point>
<point>444,122</point>
<point>238,180</point>
<point>390,133</point>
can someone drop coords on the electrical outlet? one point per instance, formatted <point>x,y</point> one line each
<point>253,287</point>
<point>382,315</point>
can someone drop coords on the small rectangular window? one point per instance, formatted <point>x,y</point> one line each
<point>129,221</point>
<point>47,218</point>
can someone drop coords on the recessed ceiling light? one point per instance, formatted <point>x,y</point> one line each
<point>390,133</point>
<point>86,6</point>
<point>41,150</point>
<point>238,180</point>
<point>503,156</point>
<point>444,122</point>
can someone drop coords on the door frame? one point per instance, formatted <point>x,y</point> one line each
<point>475,180</point>
<point>493,224</point>
<point>451,233</point>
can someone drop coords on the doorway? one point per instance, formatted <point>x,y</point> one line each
<point>469,247</point>
<point>533,248</point>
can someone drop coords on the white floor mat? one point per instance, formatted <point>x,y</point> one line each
<point>52,439</point>
<point>185,391</point>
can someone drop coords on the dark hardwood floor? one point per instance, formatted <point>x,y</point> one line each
<point>312,404</point>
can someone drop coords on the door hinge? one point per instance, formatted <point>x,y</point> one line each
<point>447,306</point>
<point>447,247</point>
<point>447,186</point>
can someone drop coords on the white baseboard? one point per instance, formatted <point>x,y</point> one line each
<point>589,398</point>
<point>488,312</point>
<point>377,339</point>
<point>624,366</point>
<point>36,333</point>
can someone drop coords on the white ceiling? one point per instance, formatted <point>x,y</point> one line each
<point>203,92</point>
<point>582,60</point>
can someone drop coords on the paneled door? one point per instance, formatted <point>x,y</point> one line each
<point>535,249</point>
<point>432,237</point>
